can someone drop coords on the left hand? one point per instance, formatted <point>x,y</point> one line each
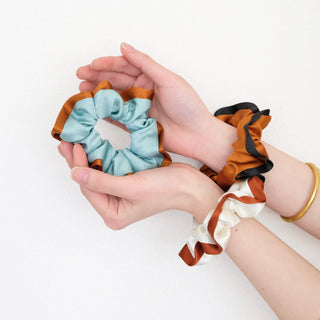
<point>184,117</point>
<point>124,200</point>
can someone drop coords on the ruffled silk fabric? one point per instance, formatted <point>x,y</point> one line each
<point>249,158</point>
<point>78,116</point>
<point>242,175</point>
<point>244,199</point>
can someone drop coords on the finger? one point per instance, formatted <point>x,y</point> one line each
<point>108,208</point>
<point>99,181</point>
<point>107,205</point>
<point>67,150</point>
<point>115,64</point>
<point>79,156</point>
<point>99,201</point>
<point>87,86</point>
<point>119,81</point>
<point>60,150</point>
<point>157,73</point>
<point>86,73</point>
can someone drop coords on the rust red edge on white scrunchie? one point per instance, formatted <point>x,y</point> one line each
<point>244,199</point>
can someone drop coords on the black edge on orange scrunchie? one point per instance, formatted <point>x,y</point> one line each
<point>237,116</point>
<point>268,165</point>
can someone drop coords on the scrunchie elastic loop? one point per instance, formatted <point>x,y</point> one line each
<point>249,157</point>
<point>77,118</point>
<point>244,199</point>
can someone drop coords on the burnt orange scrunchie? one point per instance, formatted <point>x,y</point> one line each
<point>249,158</point>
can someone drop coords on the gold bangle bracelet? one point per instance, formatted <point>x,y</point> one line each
<point>311,199</point>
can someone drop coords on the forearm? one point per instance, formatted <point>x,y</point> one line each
<point>287,282</point>
<point>288,185</point>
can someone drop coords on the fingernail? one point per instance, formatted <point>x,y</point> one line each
<point>127,47</point>
<point>79,175</point>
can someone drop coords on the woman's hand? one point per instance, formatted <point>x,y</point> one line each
<point>179,109</point>
<point>124,200</point>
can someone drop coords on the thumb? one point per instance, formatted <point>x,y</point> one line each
<point>101,182</point>
<point>157,73</point>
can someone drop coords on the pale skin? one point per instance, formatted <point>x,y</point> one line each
<point>286,278</point>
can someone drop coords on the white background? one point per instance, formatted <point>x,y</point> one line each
<point>58,259</point>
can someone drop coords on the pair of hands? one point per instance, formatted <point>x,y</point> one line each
<point>185,119</point>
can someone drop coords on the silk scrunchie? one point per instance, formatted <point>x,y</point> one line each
<point>244,199</point>
<point>249,158</point>
<point>80,113</point>
<point>242,175</point>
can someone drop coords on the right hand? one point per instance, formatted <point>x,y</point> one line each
<point>124,200</point>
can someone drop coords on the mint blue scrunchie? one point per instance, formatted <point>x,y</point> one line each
<point>80,113</point>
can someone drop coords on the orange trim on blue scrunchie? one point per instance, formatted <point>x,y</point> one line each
<point>78,116</point>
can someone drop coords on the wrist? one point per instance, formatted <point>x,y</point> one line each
<point>202,195</point>
<point>216,139</point>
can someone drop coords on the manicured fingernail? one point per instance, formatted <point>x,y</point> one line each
<point>79,175</point>
<point>127,47</point>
